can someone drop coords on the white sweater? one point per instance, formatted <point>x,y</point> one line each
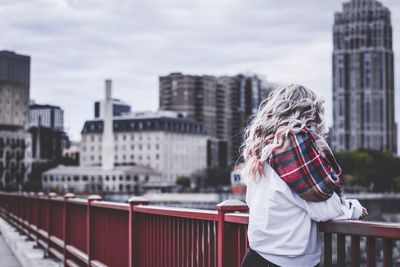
<point>283,227</point>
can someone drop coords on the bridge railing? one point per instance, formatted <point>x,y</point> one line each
<point>92,232</point>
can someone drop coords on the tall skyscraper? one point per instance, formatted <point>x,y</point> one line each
<point>222,105</point>
<point>363,78</point>
<point>14,89</point>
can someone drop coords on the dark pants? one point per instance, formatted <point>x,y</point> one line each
<point>253,259</point>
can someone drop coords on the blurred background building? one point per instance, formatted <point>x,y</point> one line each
<point>46,116</point>
<point>15,142</point>
<point>46,126</point>
<point>223,105</point>
<point>119,108</point>
<point>165,141</point>
<point>14,89</point>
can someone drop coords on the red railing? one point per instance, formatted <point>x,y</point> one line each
<point>91,232</point>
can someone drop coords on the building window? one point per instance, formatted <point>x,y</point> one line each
<point>146,178</point>
<point>84,178</point>
<point>135,178</point>
<point>76,178</point>
<point>128,177</point>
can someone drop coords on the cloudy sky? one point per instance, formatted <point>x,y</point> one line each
<point>76,44</point>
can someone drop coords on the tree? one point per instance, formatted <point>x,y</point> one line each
<point>367,167</point>
<point>183,181</point>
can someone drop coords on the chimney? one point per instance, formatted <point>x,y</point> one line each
<point>107,158</point>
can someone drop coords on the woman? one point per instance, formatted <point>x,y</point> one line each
<point>292,180</point>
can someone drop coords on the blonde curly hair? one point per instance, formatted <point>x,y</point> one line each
<point>288,109</point>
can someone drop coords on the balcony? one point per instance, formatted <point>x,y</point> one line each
<point>92,232</point>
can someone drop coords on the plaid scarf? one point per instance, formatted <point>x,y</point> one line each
<point>307,165</point>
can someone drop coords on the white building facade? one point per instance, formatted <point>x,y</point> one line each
<point>125,179</point>
<point>169,144</point>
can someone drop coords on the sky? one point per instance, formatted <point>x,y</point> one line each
<point>76,44</point>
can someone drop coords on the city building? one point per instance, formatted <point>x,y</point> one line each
<point>14,89</point>
<point>119,108</point>
<point>363,78</point>
<point>15,142</point>
<point>222,105</point>
<point>71,154</point>
<point>48,139</point>
<point>46,116</point>
<point>165,141</point>
<point>99,169</point>
<point>48,144</point>
<point>86,179</point>
<point>15,158</point>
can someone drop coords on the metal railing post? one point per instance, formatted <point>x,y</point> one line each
<point>38,197</point>
<point>89,235</point>
<point>48,221</point>
<point>133,230</point>
<point>228,206</point>
<point>65,226</point>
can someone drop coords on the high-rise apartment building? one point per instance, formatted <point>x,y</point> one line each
<point>363,78</point>
<point>14,89</point>
<point>222,105</point>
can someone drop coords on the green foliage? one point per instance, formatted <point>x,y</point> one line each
<point>183,181</point>
<point>366,168</point>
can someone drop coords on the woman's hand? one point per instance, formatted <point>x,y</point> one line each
<point>364,214</point>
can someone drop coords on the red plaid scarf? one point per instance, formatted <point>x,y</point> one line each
<point>306,163</point>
